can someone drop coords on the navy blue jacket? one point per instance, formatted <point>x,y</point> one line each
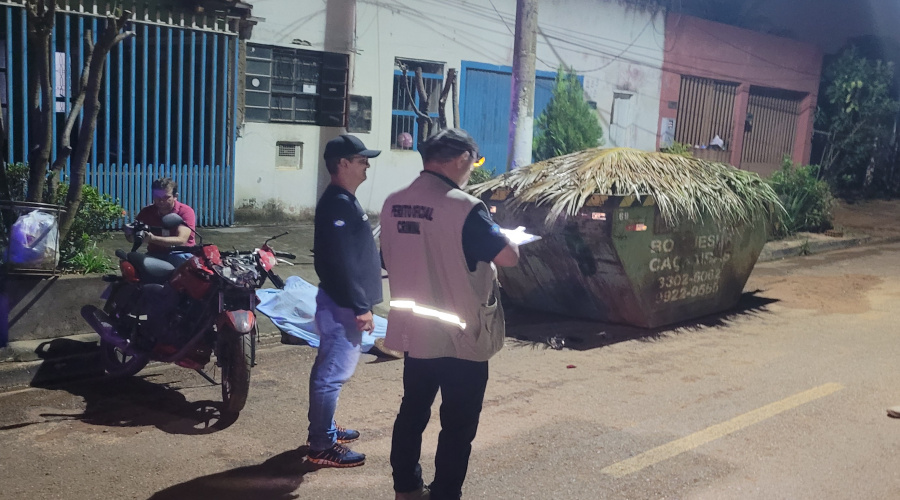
<point>346,259</point>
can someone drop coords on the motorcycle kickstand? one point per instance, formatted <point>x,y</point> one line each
<point>207,377</point>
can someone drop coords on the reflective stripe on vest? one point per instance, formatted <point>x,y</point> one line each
<point>430,312</point>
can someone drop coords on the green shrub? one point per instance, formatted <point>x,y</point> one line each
<point>90,260</point>
<point>808,201</point>
<point>568,123</point>
<point>479,175</point>
<point>17,175</point>
<point>679,148</point>
<point>95,214</point>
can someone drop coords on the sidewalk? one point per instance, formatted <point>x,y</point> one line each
<point>46,361</point>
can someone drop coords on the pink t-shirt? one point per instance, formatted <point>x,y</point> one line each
<point>150,215</point>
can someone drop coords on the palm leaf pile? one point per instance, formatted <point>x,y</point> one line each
<point>684,188</point>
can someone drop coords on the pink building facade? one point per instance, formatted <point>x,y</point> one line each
<point>738,96</point>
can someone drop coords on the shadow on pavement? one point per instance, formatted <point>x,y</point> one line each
<point>136,402</point>
<point>552,331</point>
<point>66,359</point>
<point>275,479</point>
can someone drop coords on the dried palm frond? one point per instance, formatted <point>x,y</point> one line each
<point>684,188</point>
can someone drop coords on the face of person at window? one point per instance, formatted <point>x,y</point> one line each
<point>163,200</point>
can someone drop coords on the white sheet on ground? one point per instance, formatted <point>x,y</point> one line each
<point>293,311</point>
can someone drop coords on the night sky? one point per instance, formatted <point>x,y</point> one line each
<point>830,23</point>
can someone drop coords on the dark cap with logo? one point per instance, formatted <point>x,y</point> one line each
<point>346,145</point>
<point>448,143</point>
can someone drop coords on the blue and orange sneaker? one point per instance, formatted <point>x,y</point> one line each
<point>345,435</point>
<point>336,456</point>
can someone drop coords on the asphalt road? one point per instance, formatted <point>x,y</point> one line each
<point>783,399</point>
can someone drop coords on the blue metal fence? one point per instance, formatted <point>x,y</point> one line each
<point>167,103</point>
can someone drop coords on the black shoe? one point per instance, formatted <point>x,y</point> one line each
<point>337,456</point>
<point>420,494</point>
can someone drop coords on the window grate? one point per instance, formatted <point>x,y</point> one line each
<point>287,150</point>
<point>295,86</point>
<point>289,155</point>
<point>404,127</point>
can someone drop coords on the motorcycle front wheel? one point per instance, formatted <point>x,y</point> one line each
<point>234,356</point>
<point>119,364</point>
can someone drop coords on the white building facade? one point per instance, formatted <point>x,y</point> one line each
<point>311,62</point>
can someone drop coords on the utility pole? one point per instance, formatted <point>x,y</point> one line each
<point>521,118</point>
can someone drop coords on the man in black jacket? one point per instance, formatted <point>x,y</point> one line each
<point>349,270</point>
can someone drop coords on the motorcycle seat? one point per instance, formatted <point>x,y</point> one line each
<point>150,269</point>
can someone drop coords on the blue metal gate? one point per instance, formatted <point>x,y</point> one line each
<point>167,102</point>
<point>484,102</point>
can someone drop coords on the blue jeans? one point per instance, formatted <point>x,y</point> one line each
<point>174,258</point>
<point>339,350</point>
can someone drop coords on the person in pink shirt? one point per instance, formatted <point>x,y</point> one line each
<point>160,240</point>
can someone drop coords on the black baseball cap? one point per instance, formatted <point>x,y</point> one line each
<point>347,145</point>
<point>447,143</point>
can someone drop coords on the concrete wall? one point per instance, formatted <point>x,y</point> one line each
<point>42,308</point>
<point>614,48</point>
<point>701,48</point>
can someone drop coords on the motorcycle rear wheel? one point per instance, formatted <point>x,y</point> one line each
<point>234,357</point>
<point>119,364</point>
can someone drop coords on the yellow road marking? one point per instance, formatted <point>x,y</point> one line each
<point>687,443</point>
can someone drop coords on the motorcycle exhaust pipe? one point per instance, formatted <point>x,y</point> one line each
<point>99,321</point>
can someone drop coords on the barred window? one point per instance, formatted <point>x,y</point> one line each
<point>404,128</point>
<point>295,86</point>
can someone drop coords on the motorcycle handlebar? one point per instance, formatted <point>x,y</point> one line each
<point>232,253</point>
<point>138,241</point>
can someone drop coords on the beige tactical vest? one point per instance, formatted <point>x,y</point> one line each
<point>438,308</point>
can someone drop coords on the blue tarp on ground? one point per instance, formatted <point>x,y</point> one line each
<point>293,311</point>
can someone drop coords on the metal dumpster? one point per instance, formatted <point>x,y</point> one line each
<point>618,261</point>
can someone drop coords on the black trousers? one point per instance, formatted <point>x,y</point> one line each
<point>462,384</point>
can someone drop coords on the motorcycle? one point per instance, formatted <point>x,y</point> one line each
<point>157,312</point>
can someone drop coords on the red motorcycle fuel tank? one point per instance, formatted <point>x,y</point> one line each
<point>211,252</point>
<point>192,278</point>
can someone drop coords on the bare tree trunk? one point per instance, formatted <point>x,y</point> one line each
<point>41,16</point>
<point>425,121</point>
<point>870,169</point>
<point>108,39</point>
<point>65,147</point>
<point>455,102</point>
<point>421,116</point>
<point>442,102</point>
<point>8,216</point>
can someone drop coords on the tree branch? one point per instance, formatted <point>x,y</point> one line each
<point>455,101</point>
<point>425,121</point>
<point>409,96</point>
<point>40,19</point>
<point>65,147</point>
<point>442,101</point>
<point>106,41</point>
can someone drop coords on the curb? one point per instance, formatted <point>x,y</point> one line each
<point>821,246</point>
<point>811,247</point>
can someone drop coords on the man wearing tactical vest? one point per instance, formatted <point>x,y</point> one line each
<point>439,246</point>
